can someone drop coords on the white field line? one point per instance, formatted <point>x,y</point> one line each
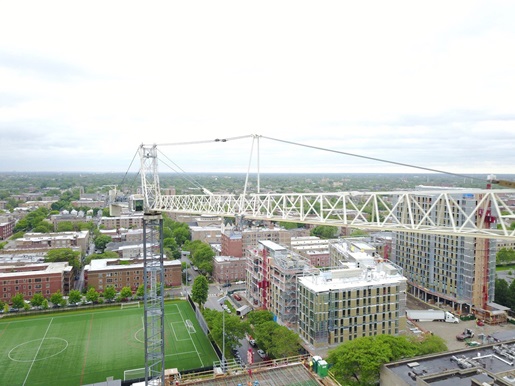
<point>37,352</point>
<point>194,345</point>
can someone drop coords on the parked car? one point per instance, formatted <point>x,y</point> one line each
<point>261,353</point>
<point>237,297</point>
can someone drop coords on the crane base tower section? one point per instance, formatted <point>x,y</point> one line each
<point>153,272</point>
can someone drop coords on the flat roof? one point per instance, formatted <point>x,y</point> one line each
<point>458,368</point>
<point>38,268</point>
<point>351,277</point>
<point>101,264</point>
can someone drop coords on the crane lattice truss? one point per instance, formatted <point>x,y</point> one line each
<point>382,211</point>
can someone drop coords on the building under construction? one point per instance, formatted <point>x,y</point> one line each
<point>349,302</point>
<point>272,272</point>
<point>454,272</point>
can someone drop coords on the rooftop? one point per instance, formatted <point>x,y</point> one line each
<point>459,368</point>
<point>350,276</point>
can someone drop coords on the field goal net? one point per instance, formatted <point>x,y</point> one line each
<point>189,326</point>
<point>134,374</point>
<point>129,305</point>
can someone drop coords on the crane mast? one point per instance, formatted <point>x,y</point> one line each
<point>153,269</point>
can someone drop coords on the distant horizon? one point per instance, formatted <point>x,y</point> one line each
<point>456,175</point>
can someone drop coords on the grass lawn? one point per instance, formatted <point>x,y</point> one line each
<point>82,347</point>
<point>508,267</point>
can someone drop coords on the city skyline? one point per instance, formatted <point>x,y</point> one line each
<point>428,85</point>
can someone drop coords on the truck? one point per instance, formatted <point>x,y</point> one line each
<point>431,316</point>
<point>243,310</point>
<point>466,334</point>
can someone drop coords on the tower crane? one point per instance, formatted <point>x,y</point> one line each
<point>392,211</point>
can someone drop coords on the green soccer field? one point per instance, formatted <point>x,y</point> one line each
<point>82,347</point>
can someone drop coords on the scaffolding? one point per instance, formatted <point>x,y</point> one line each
<point>285,268</point>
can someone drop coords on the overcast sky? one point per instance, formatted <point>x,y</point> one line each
<point>83,84</point>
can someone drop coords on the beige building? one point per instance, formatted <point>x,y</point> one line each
<point>121,273</point>
<point>45,241</point>
<point>342,304</point>
<point>132,221</point>
<point>206,234</point>
<point>313,248</point>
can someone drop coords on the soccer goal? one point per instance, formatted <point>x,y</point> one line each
<point>134,374</point>
<point>129,305</point>
<point>189,326</point>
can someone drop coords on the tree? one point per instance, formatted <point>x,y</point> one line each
<point>505,256</point>
<point>140,292</point>
<point>200,290</point>
<point>511,295</point>
<point>259,317</point>
<point>74,297</point>
<point>56,298</point>
<point>324,231</point>
<point>45,304</point>
<point>285,343</point>
<point>235,329</point>
<point>18,301</point>
<point>263,334</point>
<point>43,227</point>
<point>126,293</point>
<point>431,344</point>
<point>92,295</point>
<point>109,293</point>
<point>65,226</point>
<point>181,234</point>
<point>104,255</point>
<point>64,254</point>
<point>101,242</point>
<point>501,292</point>
<point>358,362</point>
<point>37,300</point>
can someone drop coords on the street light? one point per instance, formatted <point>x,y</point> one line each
<point>221,302</point>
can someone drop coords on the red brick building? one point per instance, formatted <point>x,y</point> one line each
<point>30,278</point>
<point>120,273</point>
<point>6,227</point>
<point>227,269</point>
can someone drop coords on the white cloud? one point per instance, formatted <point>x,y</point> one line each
<point>428,84</point>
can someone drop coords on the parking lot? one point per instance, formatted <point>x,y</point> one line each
<point>448,331</point>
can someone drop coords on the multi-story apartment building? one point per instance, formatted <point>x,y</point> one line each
<point>271,281</point>
<point>206,234</point>
<point>46,241</point>
<point>455,271</point>
<point>313,248</point>
<point>121,273</point>
<point>71,217</point>
<point>355,250</point>
<point>342,304</point>
<point>227,269</point>
<point>236,243</point>
<point>30,278</point>
<point>131,221</point>
<point>7,224</point>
